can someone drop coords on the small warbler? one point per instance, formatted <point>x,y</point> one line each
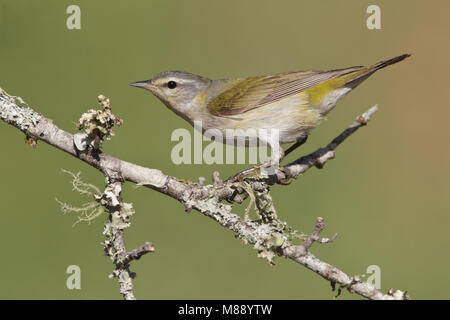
<point>292,102</point>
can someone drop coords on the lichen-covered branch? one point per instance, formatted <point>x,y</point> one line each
<point>115,243</point>
<point>267,234</point>
<point>118,220</point>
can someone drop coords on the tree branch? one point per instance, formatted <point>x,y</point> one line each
<point>115,243</point>
<point>267,234</point>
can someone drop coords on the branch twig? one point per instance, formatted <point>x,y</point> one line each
<point>137,253</point>
<point>314,237</point>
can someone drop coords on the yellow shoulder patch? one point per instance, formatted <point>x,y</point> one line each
<point>318,92</point>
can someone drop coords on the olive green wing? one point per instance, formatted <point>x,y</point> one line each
<point>250,93</point>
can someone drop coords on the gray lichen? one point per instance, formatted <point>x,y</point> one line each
<point>88,211</point>
<point>267,234</point>
<point>96,125</point>
<point>15,111</point>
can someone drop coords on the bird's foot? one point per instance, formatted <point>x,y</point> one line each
<point>287,176</point>
<point>270,168</point>
<point>241,175</point>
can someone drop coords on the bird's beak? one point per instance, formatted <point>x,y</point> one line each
<point>142,84</point>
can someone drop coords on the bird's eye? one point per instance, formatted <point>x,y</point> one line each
<point>171,84</point>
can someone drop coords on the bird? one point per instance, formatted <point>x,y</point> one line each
<point>290,103</point>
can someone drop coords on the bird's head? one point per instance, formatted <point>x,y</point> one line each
<point>180,91</point>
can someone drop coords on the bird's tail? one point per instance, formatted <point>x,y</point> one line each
<point>361,75</point>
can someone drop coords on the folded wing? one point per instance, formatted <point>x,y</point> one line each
<point>251,93</point>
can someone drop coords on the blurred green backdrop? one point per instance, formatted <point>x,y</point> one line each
<point>386,192</point>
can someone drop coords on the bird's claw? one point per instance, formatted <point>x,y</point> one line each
<point>287,176</point>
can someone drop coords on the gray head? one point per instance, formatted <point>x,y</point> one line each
<point>180,91</point>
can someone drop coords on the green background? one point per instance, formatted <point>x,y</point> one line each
<point>386,193</point>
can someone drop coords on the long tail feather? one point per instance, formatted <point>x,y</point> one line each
<point>386,63</point>
<point>370,70</point>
